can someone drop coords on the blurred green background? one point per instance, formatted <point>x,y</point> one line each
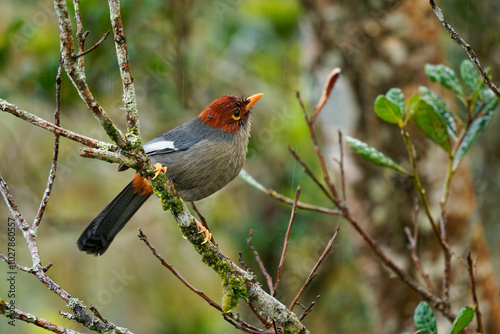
<point>183,55</point>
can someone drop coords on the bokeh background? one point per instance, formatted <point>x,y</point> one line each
<point>183,55</point>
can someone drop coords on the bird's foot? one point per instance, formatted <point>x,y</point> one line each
<point>203,229</point>
<point>158,169</point>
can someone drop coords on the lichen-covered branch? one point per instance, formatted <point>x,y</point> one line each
<point>129,97</point>
<point>40,122</point>
<point>77,75</point>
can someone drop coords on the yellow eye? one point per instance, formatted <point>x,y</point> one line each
<point>236,114</point>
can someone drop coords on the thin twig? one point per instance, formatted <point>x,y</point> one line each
<point>412,246</point>
<point>285,243</point>
<point>341,164</point>
<point>80,35</point>
<point>479,317</point>
<point>447,258</point>
<point>77,55</point>
<point>265,321</point>
<point>263,269</point>
<point>470,52</point>
<point>144,238</point>
<point>55,154</point>
<point>239,326</point>
<point>309,309</point>
<point>326,174</point>
<point>312,274</point>
<point>200,293</point>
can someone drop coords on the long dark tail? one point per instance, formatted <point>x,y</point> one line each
<point>102,230</point>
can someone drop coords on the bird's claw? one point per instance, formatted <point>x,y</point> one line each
<point>158,169</point>
<point>203,229</point>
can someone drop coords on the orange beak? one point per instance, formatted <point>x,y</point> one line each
<point>252,100</point>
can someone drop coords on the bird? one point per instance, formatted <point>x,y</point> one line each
<point>199,157</point>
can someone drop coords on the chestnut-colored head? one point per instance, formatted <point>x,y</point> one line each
<point>229,112</point>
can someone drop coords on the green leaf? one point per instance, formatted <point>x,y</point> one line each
<point>445,76</point>
<point>396,95</point>
<point>475,129</point>
<point>424,319</point>
<point>432,124</point>
<point>470,75</point>
<point>440,106</point>
<point>373,155</point>
<point>462,320</point>
<point>412,106</point>
<point>387,110</point>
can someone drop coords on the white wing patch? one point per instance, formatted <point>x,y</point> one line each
<point>160,145</point>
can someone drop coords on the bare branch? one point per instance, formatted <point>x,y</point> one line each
<point>479,316</point>
<point>412,246</point>
<point>200,293</point>
<point>326,174</point>
<point>285,242</point>
<point>472,55</point>
<point>144,238</point>
<point>309,309</point>
<point>92,48</point>
<point>263,269</point>
<point>55,154</point>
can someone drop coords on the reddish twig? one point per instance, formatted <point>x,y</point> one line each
<point>470,269</point>
<point>285,243</point>
<point>312,274</point>
<point>324,169</point>
<point>92,48</point>
<point>200,293</point>
<point>263,269</point>
<point>248,328</point>
<point>267,322</point>
<point>144,238</point>
<point>309,309</point>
